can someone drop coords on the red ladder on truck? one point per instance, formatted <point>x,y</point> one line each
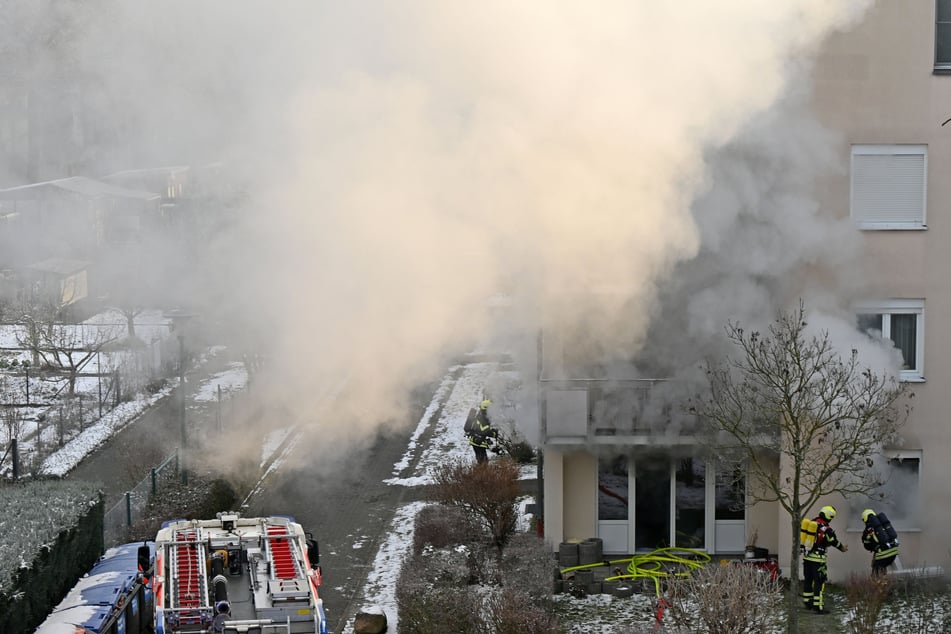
<point>283,558</point>
<point>189,585</point>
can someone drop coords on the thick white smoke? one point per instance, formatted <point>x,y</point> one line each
<point>550,148</point>
<point>406,160</point>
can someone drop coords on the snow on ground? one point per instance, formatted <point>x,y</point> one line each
<point>272,442</point>
<point>448,443</point>
<point>380,588</point>
<point>65,460</point>
<point>71,454</point>
<point>230,380</point>
<point>35,425</point>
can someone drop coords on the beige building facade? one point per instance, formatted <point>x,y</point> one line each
<point>884,90</point>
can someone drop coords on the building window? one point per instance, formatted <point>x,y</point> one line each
<point>730,496</point>
<point>942,40</point>
<point>612,488</point>
<point>888,186</point>
<point>898,496</point>
<point>901,321</point>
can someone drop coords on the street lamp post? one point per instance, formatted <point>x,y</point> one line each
<point>181,401</point>
<point>179,319</point>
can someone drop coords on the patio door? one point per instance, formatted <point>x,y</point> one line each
<point>652,502</point>
<point>671,502</point>
<point>614,512</point>
<point>729,511</point>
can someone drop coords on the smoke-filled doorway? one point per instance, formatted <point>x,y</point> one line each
<point>672,502</point>
<point>651,502</point>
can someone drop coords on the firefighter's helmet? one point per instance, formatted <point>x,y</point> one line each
<point>866,514</point>
<point>485,404</point>
<point>827,512</point>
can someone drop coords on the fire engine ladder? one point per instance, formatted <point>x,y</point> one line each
<point>285,560</point>
<point>189,577</point>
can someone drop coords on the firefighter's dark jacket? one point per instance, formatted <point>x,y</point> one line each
<point>825,538</point>
<point>880,551</point>
<point>482,431</point>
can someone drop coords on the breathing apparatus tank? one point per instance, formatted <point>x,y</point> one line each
<point>808,532</point>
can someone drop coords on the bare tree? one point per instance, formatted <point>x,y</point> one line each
<point>488,491</point>
<point>133,274</point>
<point>34,311</point>
<point>806,421</point>
<point>66,347</point>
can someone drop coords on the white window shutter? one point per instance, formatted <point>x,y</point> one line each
<point>888,189</point>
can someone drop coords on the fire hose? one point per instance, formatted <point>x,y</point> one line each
<point>656,565</point>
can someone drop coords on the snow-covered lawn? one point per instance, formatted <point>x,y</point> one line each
<point>42,419</point>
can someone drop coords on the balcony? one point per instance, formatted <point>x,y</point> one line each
<point>614,412</point>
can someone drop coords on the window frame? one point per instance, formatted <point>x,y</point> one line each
<point>889,307</point>
<point>897,149</point>
<point>900,523</point>
<point>940,66</point>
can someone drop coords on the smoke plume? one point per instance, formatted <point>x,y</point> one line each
<point>634,172</point>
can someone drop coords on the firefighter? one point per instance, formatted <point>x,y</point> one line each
<point>483,433</point>
<point>814,568</point>
<point>878,541</point>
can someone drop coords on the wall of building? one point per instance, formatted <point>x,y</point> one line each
<point>872,84</point>
<point>876,84</point>
<point>580,491</point>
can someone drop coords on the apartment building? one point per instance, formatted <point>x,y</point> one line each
<point>883,89</point>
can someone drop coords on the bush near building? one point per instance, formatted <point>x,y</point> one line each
<point>469,570</point>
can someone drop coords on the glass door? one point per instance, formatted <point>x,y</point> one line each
<point>730,510</point>
<point>652,494</point>
<point>613,505</point>
<point>690,503</point>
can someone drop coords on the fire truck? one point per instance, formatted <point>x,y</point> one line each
<point>229,575</point>
<point>255,575</point>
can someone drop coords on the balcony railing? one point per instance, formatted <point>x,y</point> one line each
<point>612,411</point>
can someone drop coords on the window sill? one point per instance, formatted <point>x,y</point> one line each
<point>891,226</point>
<point>911,379</point>
<point>942,70</point>
<point>898,529</point>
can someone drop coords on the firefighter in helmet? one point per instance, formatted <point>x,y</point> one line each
<point>483,433</point>
<point>876,539</point>
<point>815,573</point>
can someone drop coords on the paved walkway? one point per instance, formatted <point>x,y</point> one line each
<point>341,497</point>
<point>127,458</point>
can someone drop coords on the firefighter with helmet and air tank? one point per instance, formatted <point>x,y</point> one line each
<point>879,538</point>
<point>482,433</point>
<point>816,537</point>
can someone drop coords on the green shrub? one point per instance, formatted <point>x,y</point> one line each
<point>50,535</point>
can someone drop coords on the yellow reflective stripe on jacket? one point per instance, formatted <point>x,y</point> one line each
<point>888,552</point>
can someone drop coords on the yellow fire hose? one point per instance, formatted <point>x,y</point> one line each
<point>655,565</point>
